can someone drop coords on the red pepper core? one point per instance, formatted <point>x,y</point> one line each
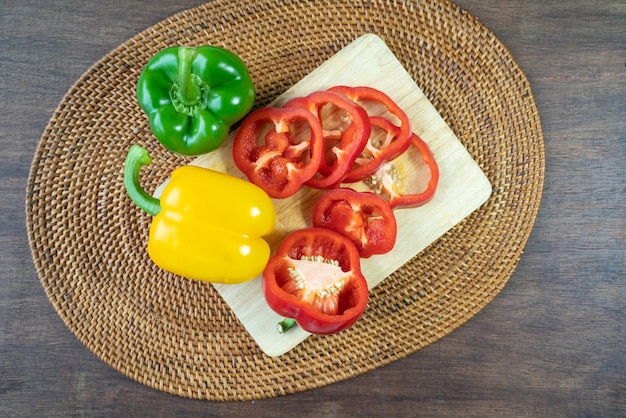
<point>315,278</point>
<point>386,181</point>
<point>363,217</point>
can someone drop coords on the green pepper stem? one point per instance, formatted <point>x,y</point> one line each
<point>285,325</point>
<point>188,92</point>
<point>137,158</point>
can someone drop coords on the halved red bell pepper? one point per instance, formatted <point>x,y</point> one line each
<point>315,278</point>
<point>279,149</point>
<point>363,217</point>
<point>342,145</point>
<point>390,184</point>
<point>382,146</point>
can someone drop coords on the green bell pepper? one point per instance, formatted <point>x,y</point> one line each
<point>192,96</point>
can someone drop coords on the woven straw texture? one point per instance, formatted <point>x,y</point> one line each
<point>88,240</point>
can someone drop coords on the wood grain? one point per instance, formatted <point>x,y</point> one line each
<point>551,344</point>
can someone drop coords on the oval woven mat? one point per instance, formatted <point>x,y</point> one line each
<point>176,335</point>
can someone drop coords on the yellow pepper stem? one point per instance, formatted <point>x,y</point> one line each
<point>137,158</point>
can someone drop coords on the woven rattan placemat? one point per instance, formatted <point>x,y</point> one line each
<point>177,335</point>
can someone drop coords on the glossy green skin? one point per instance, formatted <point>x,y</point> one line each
<point>230,97</point>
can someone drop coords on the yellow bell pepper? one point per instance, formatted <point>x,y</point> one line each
<point>207,225</point>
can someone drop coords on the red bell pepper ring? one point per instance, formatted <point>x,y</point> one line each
<point>363,217</point>
<point>365,94</point>
<point>386,180</point>
<point>274,151</point>
<point>379,148</point>
<point>346,129</point>
<point>315,278</point>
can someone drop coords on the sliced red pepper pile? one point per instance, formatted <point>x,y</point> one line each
<point>328,140</point>
<point>354,134</point>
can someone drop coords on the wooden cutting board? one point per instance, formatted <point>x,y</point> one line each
<point>462,188</point>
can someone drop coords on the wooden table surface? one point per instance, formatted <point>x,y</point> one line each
<point>553,343</point>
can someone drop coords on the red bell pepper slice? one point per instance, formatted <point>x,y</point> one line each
<point>374,100</point>
<point>315,278</point>
<point>276,152</point>
<point>363,217</point>
<point>346,129</point>
<point>390,184</point>
<point>381,146</point>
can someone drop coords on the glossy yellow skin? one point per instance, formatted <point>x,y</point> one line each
<point>211,227</point>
